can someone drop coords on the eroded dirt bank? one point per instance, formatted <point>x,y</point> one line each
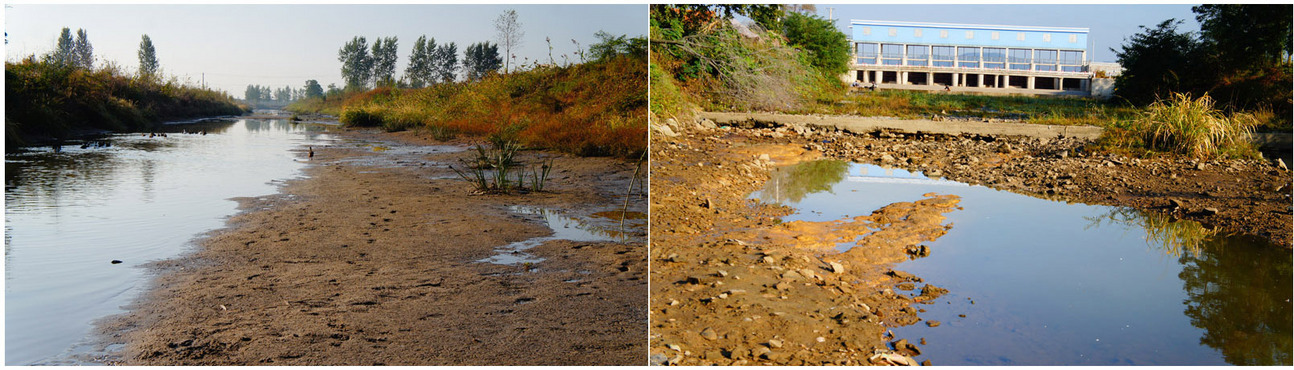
<point>733,285</point>
<point>363,264</point>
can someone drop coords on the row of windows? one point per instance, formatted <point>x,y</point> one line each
<point>995,35</point>
<point>964,56</point>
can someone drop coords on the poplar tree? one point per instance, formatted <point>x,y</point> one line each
<point>82,52</point>
<point>356,64</point>
<point>147,57</point>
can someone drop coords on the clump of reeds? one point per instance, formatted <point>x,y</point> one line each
<point>495,169</point>
<point>1195,128</point>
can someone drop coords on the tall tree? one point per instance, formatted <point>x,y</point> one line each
<point>147,57</point>
<point>1157,62</point>
<point>356,64</point>
<point>252,94</point>
<point>480,59</point>
<point>828,47</point>
<point>419,71</point>
<point>610,46</point>
<point>82,52</point>
<point>445,62</point>
<point>63,49</point>
<point>384,60</point>
<point>313,90</point>
<point>1246,35</point>
<point>509,35</point>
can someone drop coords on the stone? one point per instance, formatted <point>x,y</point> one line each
<point>933,323</point>
<point>1210,211</point>
<point>709,334</point>
<point>765,158</point>
<point>1199,166</point>
<point>1176,203</point>
<point>1281,164</point>
<point>775,343</point>
<point>707,123</point>
<point>887,158</point>
<point>903,347</point>
<point>665,130</point>
<point>837,268</point>
<point>926,363</point>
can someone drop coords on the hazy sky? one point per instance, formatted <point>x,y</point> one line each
<point>278,45</point>
<point>1109,24</point>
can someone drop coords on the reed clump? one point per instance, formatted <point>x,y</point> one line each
<point>1193,127</point>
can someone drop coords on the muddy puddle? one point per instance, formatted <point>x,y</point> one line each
<point>83,223</point>
<point>601,226</point>
<point>1040,282</point>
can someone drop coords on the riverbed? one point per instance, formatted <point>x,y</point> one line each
<point>83,222</point>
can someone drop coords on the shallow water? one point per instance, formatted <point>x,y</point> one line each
<point>69,214</point>
<point>563,228</point>
<point>1042,282</point>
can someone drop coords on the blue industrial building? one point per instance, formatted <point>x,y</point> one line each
<point>971,57</point>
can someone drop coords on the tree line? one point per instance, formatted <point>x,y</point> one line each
<point>430,63</point>
<point>1241,57</point>
<point>79,53</point>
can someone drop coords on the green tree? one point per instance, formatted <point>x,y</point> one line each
<point>480,59</point>
<point>356,64</point>
<point>509,35</point>
<point>419,71</point>
<point>147,57</point>
<point>63,49</point>
<point>384,60</point>
<point>252,94</point>
<point>609,46</point>
<point>313,90</point>
<point>444,64</point>
<point>1246,35</point>
<point>1157,62</point>
<point>82,51</point>
<point>828,48</point>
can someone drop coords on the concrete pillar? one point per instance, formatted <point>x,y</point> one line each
<point>903,78</point>
<point>865,75</point>
<point>1085,85</point>
<point>930,78</point>
<point>980,81</point>
<point>954,83</point>
<point>1030,86</point>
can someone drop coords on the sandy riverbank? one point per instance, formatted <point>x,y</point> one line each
<point>364,265</point>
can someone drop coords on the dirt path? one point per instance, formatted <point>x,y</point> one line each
<point>731,284</point>
<point>373,261</point>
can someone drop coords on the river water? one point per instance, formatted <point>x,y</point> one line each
<point>69,214</point>
<point>1040,282</point>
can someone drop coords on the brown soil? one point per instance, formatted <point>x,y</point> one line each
<point>367,265</point>
<point>731,284</point>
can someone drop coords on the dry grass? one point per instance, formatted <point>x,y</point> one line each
<point>1193,127</point>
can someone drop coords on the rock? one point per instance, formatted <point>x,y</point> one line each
<point>1210,211</point>
<point>891,359</point>
<point>768,260</point>
<point>907,286</point>
<point>775,343</point>
<point>721,273</point>
<point>1199,166</point>
<point>932,291</point>
<point>926,363</point>
<point>791,275</point>
<point>707,123</point>
<point>933,323</point>
<point>116,261</point>
<point>1063,154</point>
<point>1176,203</point>
<point>887,158</point>
<point>1281,164</point>
<point>837,268</point>
<point>665,130</point>
<point>903,347</point>
<point>765,158</point>
<point>709,334</point>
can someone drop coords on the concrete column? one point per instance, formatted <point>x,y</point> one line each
<point>930,78</point>
<point>980,81</point>
<point>1030,86</point>
<point>865,75</point>
<point>903,78</point>
<point>1085,85</point>
<point>954,83</point>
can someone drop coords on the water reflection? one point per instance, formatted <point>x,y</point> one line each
<point>1172,236</point>
<point>791,184</point>
<point>1239,293</point>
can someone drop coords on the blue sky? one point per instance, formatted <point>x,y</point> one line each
<point>280,45</point>
<point>1109,24</point>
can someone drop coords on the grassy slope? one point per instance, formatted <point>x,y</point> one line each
<point>47,101</point>
<point>591,109</point>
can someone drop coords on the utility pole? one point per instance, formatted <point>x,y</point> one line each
<point>831,14</point>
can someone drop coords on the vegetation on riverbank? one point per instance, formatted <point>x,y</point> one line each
<point>50,100</point>
<point>596,108</point>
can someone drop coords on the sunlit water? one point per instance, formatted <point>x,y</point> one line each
<point>69,214</point>
<point>1042,282</point>
<point>584,229</point>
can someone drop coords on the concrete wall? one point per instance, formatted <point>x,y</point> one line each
<point>1102,88</point>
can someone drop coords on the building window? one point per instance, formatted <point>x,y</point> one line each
<point>894,32</point>
<point>1019,58</point>
<point>918,55</point>
<point>995,35</point>
<point>994,65</point>
<point>1045,67</point>
<point>1071,68</point>
<point>970,35</point>
<point>997,55</point>
<point>1046,37</point>
<point>967,54</point>
<point>867,53</point>
<point>1019,36</point>
<point>916,32</point>
<point>867,30</point>
<point>943,56</point>
<point>1044,56</point>
<point>1071,57</point>
<point>891,51</point>
<point>943,34</point>
<point>1073,39</point>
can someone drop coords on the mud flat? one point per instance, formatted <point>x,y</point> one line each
<point>376,258</point>
<point>733,284</point>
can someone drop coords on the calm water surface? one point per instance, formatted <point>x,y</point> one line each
<point>1042,282</point>
<point>68,214</point>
